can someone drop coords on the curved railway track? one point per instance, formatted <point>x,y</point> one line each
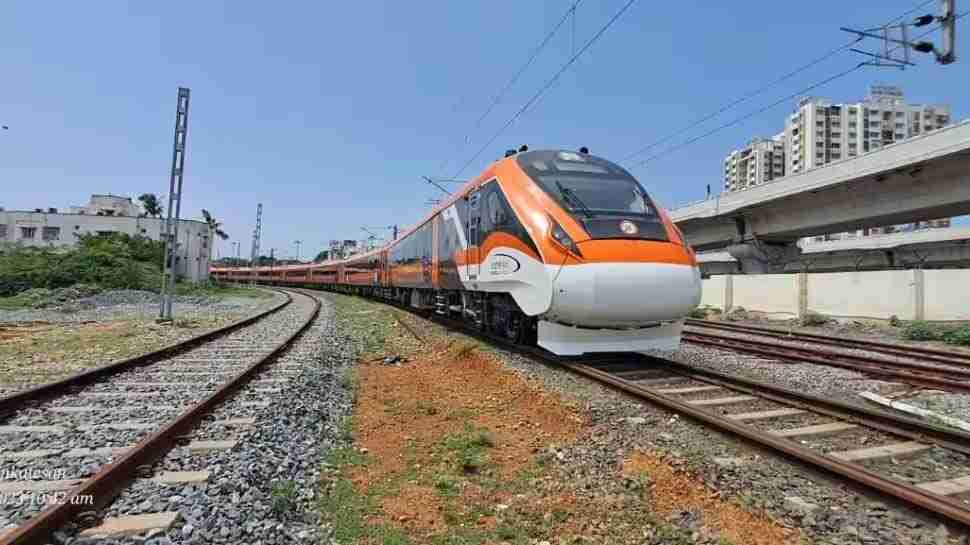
<point>917,366</point>
<point>809,429</point>
<point>157,402</point>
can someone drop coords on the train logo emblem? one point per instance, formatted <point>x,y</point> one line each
<point>628,227</point>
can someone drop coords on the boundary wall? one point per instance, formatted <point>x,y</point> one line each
<point>915,294</point>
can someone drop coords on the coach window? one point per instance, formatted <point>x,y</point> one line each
<point>496,209</point>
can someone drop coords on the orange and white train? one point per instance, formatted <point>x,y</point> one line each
<point>558,248</point>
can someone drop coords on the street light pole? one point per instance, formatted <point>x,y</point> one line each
<point>297,242</point>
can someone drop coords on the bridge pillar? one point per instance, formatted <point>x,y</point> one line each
<point>762,257</point>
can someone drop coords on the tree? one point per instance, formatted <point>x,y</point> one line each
<point>214,226</point>
<point>151,205</point>
<point>322,256</point>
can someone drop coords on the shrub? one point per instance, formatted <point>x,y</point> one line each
<point>920,331</point>
<point>113,261</point>
<point>959,336</point>
<point>698,313</point>
<point>737,313</point>
<point>894,321</point>
<point>814,319</point>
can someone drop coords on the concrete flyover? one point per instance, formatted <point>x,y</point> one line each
<point>926,249</point>
<point>923,178</point>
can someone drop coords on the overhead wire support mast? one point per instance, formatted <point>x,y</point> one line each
<point>170,250</point>
<point>748,96</point>
<point>886,34</point>
<point>257,233</point>
<point>763,109</point>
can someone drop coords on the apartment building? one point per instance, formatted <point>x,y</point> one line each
<point>820,132</point>
<point>761,161</point>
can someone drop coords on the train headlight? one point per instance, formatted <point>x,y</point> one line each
<point>562,238</point>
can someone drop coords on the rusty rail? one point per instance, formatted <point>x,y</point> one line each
<point>946,357</point>
<point>19,400</point>
<point>112,479</point>
<point>910,372</point>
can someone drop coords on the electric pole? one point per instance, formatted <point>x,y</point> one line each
<point>170,251</point>
<point>297,242</point>
<point>257,232</point>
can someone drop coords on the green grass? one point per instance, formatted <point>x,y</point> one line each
<point>13,303</point>
<point>920,330</point>
<point>469,448</point>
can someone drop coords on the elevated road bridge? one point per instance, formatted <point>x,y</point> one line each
<point>923,178</point>
<point>927,249</point>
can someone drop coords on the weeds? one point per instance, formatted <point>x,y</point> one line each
<point>959,336</point>
<point>814,319</point>
<point>920,331</point>
<point>469,448</point>
<point>283,497</point>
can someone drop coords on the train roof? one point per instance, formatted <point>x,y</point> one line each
<point>468,186</point>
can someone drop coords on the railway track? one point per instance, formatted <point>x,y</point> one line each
<point>80,442</point>
<point>918,463</point>
<point>917,366</point>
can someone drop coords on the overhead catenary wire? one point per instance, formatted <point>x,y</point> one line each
<point>518,74</point>
<point>752,94</point>
<point>545,87</point>
<point>771,105</point>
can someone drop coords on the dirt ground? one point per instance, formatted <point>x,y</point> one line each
<point>451,446</point>
<point>36,353</point>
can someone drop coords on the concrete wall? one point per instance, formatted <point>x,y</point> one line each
<point>908,294</point>
<point>946,294</point>
<point>766,292</point>
<point>874,294</point>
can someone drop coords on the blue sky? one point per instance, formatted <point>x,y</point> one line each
<point>329,112</point>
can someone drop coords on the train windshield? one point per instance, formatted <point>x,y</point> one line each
<point>587,185</point>
<point>591,195</point>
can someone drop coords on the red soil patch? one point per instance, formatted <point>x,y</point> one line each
<point>674,491</point>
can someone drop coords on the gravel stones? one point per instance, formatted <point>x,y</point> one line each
<point>264,489</point>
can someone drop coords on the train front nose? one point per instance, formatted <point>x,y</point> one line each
<point>618,305</point>
<point>624,294</point>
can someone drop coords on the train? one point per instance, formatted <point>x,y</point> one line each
<point>556,248</point>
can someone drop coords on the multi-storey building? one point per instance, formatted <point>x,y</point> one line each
<point>819,132</point>
<point>103,215</point>
<point>761,161</point>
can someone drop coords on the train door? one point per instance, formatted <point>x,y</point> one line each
<point>472,256</point>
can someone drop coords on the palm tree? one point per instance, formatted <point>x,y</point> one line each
<point>214,225</point>
<point>153,208</point>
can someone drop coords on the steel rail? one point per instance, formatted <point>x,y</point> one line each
<point>20,400</point>
<point>904,426</point>
<point>936,377</point>
<point>920,352</point>
<point>112,479</point>
<point>854,472</point>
